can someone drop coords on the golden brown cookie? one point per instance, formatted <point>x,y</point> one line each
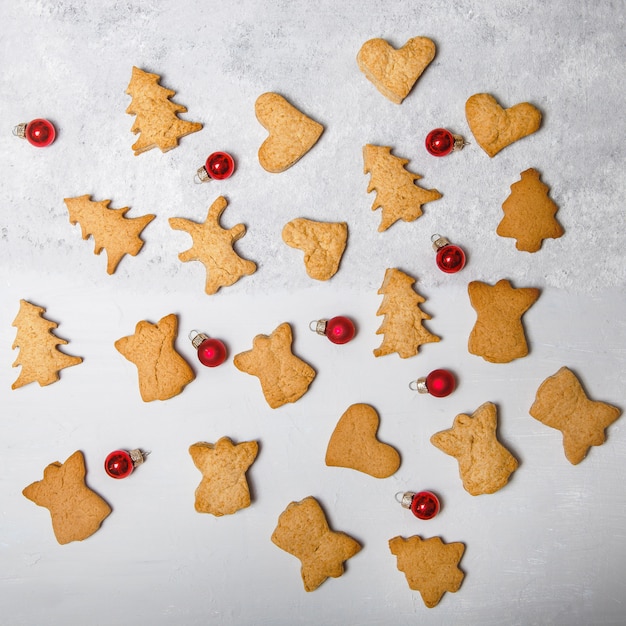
<point>430,565</point>
<point>224,488</point>
<point>303,531</point>
<point>111,230</point>
<point>561,403</point>
<point>213,247</point>
<point>283,376</point>
<point>396,192</point>
<point>323,244</point>
<point>291,133</point>
<point>394,71</point>
<point>402,327</point>
<point>76,511</point>
<point>354,444</point>
<point>39,357</point>
<point>157,116</point>
<point>163,373</point>
<point>529,213</point>
<point>485,465</point>
<point>493,127</point>
<point>498,334</point>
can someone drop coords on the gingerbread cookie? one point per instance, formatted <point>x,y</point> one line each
<point>283,376</point>
<point>402,327</point>
<point>354,444</point>
<point>224,489</point>
<point>394,71</point>
<point>157,116</point>
<point>430,565</point>
<point>529,213</point>
<point>493,127</point>
<point>39,357</point>
<point>561,403</point>
<point>396,192</point>
<point>498,334</point>
<point>291,133</point>
<point>163,373</point>
<point>303,531</point>
<point>485,465</point>
<point>323,244</point>
<point>111,230</point>
<point>76,511</point>
<point>213,247</point>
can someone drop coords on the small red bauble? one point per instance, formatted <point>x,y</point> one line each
<point>338,329</point>
<point>450,258</point>
<point>39,133</point>
<point>439,383</point>
<point>423,504</point>
<point>121,463</point>
<point>211,352</point>
<point>218,166</point>
<point>441,142</point>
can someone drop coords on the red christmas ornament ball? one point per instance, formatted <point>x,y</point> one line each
<point>440,383</point>
<point>40,133</point>
<point>425,505</point>
<point>119,464</point>
<point>439,142</point>
<point>212,352</point>
<point>220,165</point>
<point>450,259</point>
<point>340,329</point>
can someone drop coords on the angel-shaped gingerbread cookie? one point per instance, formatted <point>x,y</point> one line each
<point>224,488</point>
<point>163,372</point>
<point>284,377</point>
<point>303,531</point>
<point>485,465</point>
<point>76,511</point>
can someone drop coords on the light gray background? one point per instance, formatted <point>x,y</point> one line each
<point>549,548</point>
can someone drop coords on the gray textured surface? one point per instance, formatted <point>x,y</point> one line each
<point>550,547</point>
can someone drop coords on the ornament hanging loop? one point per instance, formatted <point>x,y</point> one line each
<point>197,338</point>
<point>405,498</point>
<point>318,326</point>
<point>439,241</point>
<point>419,385</point>
<point>201,176</point>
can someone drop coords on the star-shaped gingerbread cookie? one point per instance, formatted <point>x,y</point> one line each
<point>430,565</point>
<point>284,377</point>
<point>213,247</point>
<point>498,334</point>
<point>561,403</point>
<point>76,511</point>
<point>303,531</point>
<point>485,465</point>
<point>224,488</point>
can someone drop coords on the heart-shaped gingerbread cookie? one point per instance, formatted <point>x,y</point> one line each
<point>493,127</point>
<point>394,71</point>
<point>354,444</point>
<point>291,133</point>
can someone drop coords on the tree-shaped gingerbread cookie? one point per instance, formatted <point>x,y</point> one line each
<point>397,194</point>
<point>157,116</point>
<point>213,247</point>
<point>111,230</point>
<point>402,327</point>
<point>529,213</point>
<point>39,357</point>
